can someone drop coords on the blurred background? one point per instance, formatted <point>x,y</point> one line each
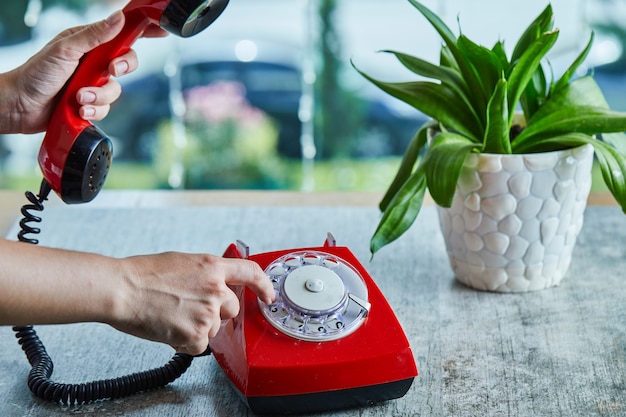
<point>266,97</point>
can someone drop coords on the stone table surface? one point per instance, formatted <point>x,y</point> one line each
<point>556,352</point>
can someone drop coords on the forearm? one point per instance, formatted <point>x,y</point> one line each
<point>40,285</point>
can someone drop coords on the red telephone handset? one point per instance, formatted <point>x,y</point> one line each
<point>75,155</point>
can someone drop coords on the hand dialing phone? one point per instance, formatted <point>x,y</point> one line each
<point>329,341</point>
<point>75,155</point>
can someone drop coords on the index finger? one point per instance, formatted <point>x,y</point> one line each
<point>250,274</point>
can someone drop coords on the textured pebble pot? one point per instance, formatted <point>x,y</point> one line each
<point>506,155</point>
<point>514,218</point>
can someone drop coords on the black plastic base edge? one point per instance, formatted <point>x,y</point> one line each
<point>328,400</point>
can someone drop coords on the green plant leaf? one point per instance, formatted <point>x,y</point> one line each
<point>409,159</point>
<point>500,52</point>
<point>542,23</point>
<point>443,162</point>
<point>613,166</point>
<point>424,68</point>
<point>484,62</point>
<point>497,132</point>
<point>446,59</point>
<point>567,75</point>
<point>437,101</point>
<point>583,91</point>
<point>616,140</point>
<point>579,119</point>
<point>525,67</point>
<point>447,76</point>
<point>472,79</point>
<point>577,96</point>
<point>401,212</point>
<point>535,93</point>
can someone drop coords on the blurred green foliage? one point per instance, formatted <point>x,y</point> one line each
<point>222,142</point>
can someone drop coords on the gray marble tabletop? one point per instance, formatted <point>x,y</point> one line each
<point>557,352</point>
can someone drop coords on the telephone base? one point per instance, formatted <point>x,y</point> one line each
<point>304,353</point>
<point>328,400</point>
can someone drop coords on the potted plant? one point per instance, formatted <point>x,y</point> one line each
<point>492,115</point>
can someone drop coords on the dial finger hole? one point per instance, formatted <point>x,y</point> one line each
<point>330,262</point>
<point>293,261</point>
<point>311,258</point>
<point>276,270</point>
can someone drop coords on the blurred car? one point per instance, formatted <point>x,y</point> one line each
<point>272,76</point>
<point>272,84</point>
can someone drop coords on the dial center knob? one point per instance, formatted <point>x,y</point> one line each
<point>314,288</point>
<point>314,285</point>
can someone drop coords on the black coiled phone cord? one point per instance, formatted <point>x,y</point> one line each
<point>72,394</point>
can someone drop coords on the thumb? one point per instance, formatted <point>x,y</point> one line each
<point>98,33</point>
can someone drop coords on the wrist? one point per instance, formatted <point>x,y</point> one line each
<point>117,305</point>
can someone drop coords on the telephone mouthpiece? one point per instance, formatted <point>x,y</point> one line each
<point>86,166</point>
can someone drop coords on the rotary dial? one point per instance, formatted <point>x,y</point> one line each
<point>319,297</point>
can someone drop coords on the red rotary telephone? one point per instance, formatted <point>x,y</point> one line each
<point>75,155</point>
<point>329,341</point>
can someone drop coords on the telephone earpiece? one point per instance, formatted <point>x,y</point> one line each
<point>75,155</point>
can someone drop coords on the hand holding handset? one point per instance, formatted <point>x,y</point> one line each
<point>75,155</point>
<point>329,341</point>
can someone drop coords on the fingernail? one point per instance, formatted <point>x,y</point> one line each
<point>89,111</point>
<point>114,18</point>
<point>87,97</point>
<point>121,68</point>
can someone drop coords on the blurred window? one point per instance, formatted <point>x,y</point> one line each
<point>13,28</point>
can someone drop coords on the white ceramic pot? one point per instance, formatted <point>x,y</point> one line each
<point>514,219</point>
